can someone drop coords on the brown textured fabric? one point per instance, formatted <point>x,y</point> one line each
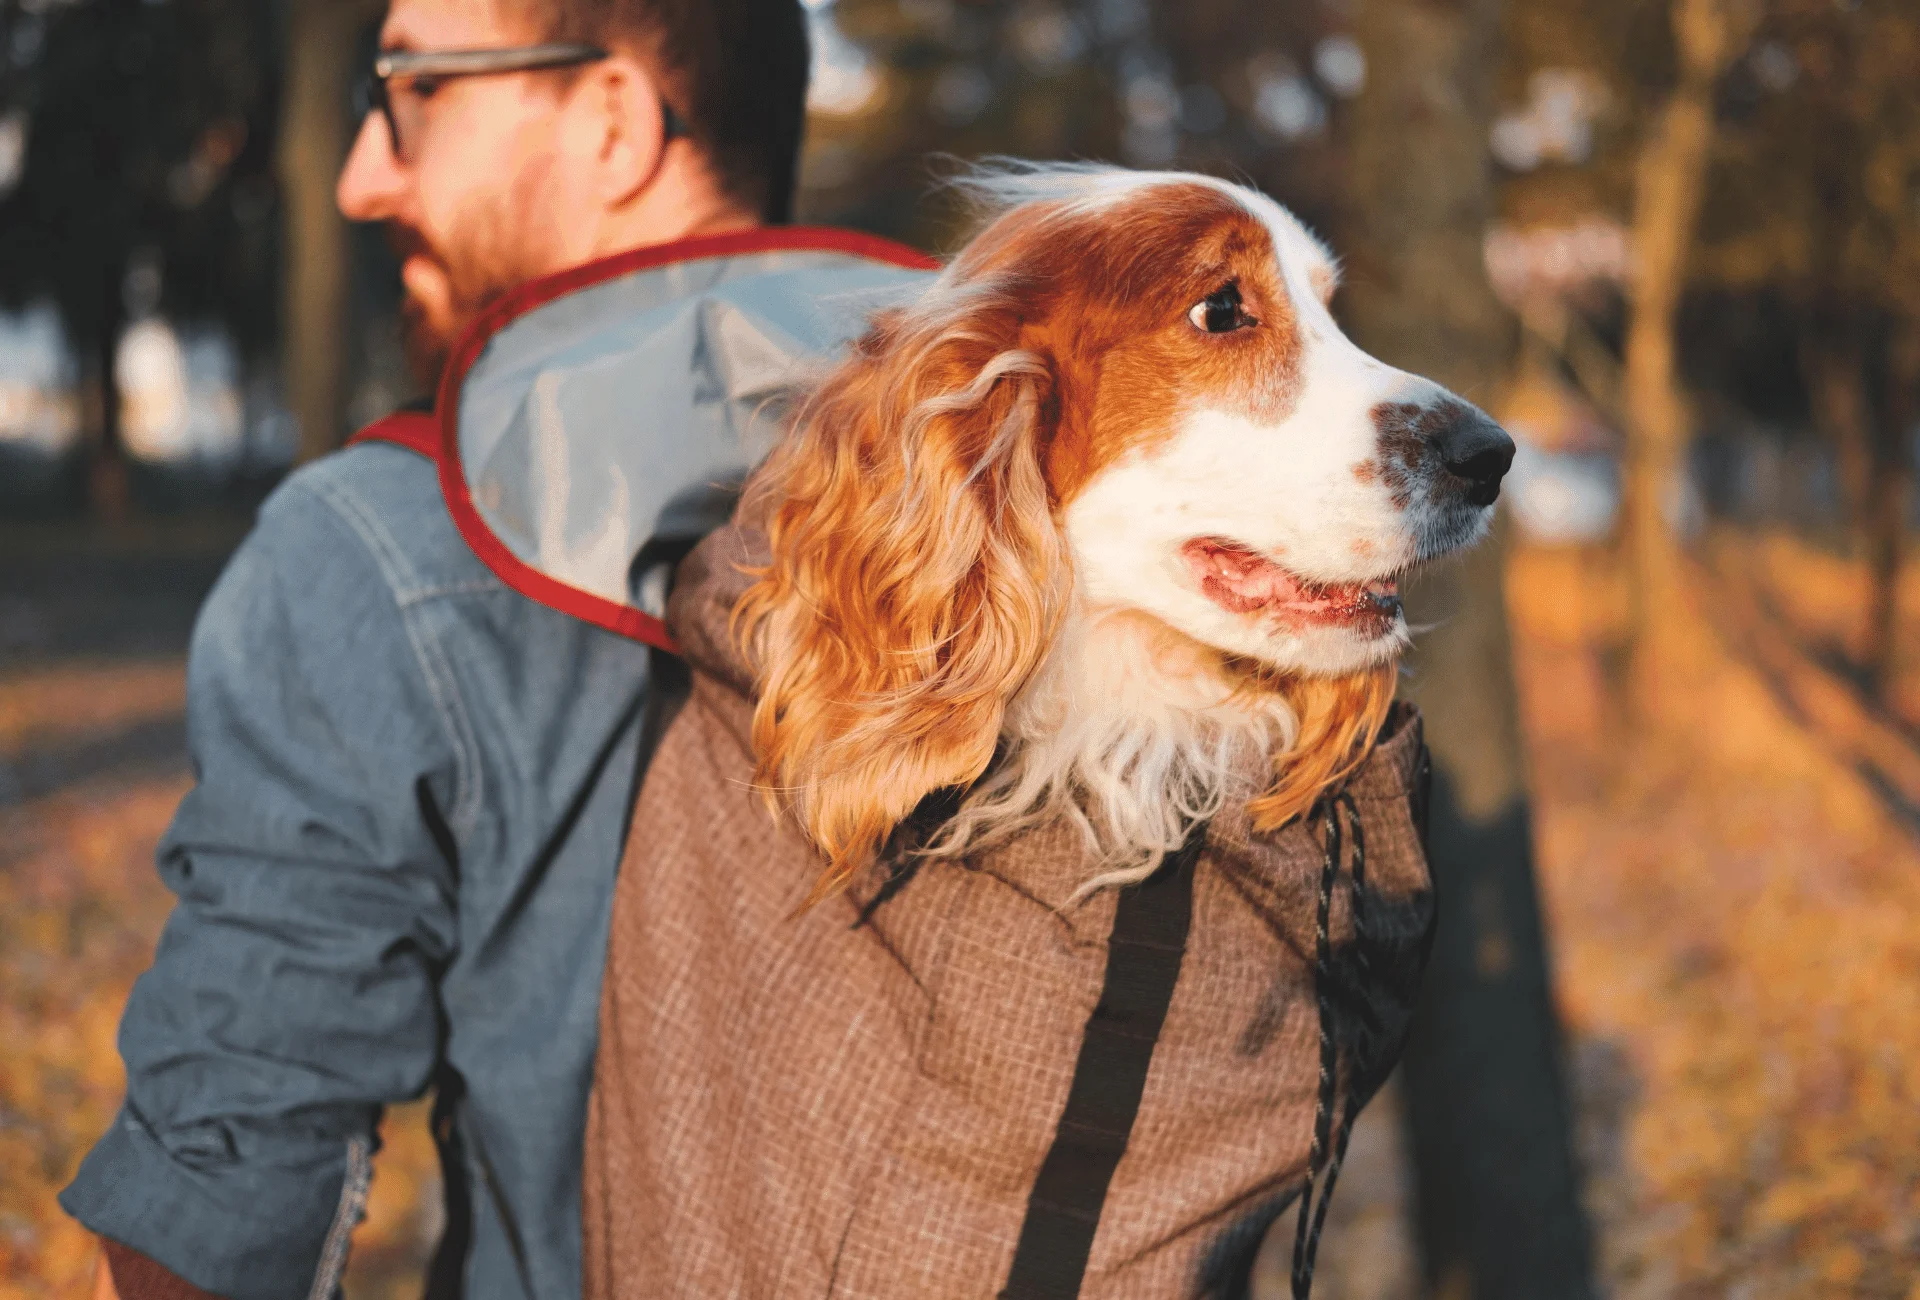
<point>796,1105</point>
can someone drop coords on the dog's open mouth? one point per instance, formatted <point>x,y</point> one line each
<point>1242,581</point>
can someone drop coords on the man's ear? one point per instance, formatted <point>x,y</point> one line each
<point>623,101</point>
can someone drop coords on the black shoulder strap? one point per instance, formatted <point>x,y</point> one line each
<point>1144,952</point>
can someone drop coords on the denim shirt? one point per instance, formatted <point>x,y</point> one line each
<point>412,788</point>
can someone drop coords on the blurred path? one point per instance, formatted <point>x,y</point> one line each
<point>153,747</point>
<point>63,726</point>
<point>71,593</point>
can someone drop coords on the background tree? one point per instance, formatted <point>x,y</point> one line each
<point>1765,158</point>
<point>146,151</point>
<point>1817,198</point>
<point>1671,178</point>
<point>324,40</point>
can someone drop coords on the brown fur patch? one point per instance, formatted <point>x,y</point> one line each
<point>1105,295</point>
<point>1324,281</point>
<point>1407,431</point>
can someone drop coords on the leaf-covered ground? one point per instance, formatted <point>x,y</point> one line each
<point>1733,887</point>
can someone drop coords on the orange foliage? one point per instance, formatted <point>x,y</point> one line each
<point>76,926</point>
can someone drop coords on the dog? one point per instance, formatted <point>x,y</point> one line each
<point>1111,502</point>
<point>1082,564</point>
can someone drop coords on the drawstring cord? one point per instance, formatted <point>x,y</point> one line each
<point>1321,1159</point>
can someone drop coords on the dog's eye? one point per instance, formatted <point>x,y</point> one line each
<point>1220,312</point>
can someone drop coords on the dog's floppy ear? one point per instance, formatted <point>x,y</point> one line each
<point>917,576</point>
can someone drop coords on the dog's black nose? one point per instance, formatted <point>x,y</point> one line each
<point>1476,451</point>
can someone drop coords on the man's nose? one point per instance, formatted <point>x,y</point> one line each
<point>1476,451</point>
<point>372,180</point>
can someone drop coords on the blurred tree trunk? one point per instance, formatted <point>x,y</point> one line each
<point>1488,1115</point>
<point>1858,343</point>
<point>1670,180</point>
<point>1833,338</point>
<point>315,132</point>
<point>109,493</point>
<point>1833,367</point>
<point>1876,478</point>
<point>1891,491</point>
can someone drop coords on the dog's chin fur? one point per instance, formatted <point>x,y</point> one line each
<point>1129,731</point>
<point>1331,651</point>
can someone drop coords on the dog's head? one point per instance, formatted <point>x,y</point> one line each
<point>1126,393</point>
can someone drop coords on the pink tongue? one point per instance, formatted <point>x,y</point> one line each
<point>1243,582</point>
<point>1240,580</point>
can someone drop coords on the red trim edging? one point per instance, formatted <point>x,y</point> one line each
<point>417,431</point>
<point>491,551</point>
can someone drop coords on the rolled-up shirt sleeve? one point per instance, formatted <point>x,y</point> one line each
<point>293,993</point>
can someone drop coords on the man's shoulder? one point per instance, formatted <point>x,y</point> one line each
<point>363,538</point>
<point>388,500</point>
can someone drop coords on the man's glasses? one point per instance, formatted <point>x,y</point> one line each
<point>405,113</point>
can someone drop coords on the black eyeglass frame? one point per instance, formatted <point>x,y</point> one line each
<point>371,94</point>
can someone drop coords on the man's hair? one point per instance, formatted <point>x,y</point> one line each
<point>735,71</point>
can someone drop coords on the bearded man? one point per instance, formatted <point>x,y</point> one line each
<point>419,698</point>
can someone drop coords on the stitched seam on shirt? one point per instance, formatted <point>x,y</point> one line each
<point>386,551</point>
<point>471,587</point>
<point>440,684</point>
<point>353,1205</point>
<point>446,694</point>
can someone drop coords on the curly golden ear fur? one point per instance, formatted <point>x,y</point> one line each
<point>918,574</point>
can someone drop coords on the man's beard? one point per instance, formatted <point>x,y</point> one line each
<point>429,329</point>
<point>425,342</point>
